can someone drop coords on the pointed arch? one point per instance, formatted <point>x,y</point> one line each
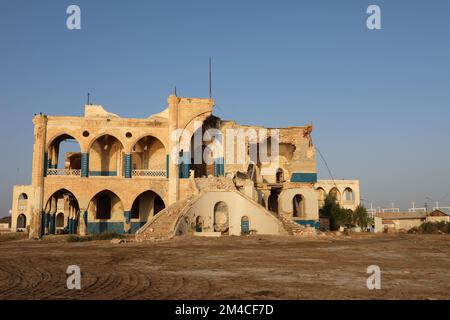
<point>63,155</point>
<point>349,195</point>
<point>221,217</point>
<point>62,202</point>
<point>106,156</point>
<point>334,192</point>
<point>146,205</point>
<point>105,205</point>
<point>321,195</point>
<point>21,221</point>
<point>298,206</point>
<point>149,153</point>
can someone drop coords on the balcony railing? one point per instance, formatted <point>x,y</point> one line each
<point>149,173</point>
<point>64,172</point>
<point>134,173</point>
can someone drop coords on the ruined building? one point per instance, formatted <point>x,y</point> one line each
<point>122,177</point>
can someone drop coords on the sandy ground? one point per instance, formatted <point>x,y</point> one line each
<point>257,267</point>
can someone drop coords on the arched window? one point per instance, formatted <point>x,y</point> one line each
<point>21,221</point>
<point>60,220</point>
<point>321,195</point>
<point>23,201</point>
<point>298,204</point>
<point>349,195</point>
<point>221,217</point>
<point>245,225</point>
<point>335,194</point>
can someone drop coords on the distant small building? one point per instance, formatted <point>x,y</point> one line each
<point>396,221</point>
<point>438,215</point>
<point>5,223</point>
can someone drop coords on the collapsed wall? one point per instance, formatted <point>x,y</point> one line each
<point>217,207</point>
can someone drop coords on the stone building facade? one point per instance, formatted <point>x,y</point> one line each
<point>123,174</point>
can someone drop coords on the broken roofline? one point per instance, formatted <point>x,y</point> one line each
<point>222,146</point>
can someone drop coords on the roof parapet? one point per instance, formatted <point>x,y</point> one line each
<point>95,111</point>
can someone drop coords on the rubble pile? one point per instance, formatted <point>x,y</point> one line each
<point>212,183</point>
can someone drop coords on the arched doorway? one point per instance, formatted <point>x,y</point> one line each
<point>199,224</point>
<point>64,156</point>
<point>21,222</point>
<point>105,213</point>
<point>221,217</point>
<point>273,201</point>
<point>62,202</point>
<point>106,157</point>
<point>298,206</point>
<point>245,225</point>
<point>145,206</point>
<point>60,221</point>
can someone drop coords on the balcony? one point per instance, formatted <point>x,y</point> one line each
<point>134,173</point>
<point>149,173</point>
<point>64,172</point>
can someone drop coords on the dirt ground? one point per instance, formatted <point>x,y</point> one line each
<point>257,267</point>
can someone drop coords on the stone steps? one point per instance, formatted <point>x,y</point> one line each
<point>295,229</point>
<point>162,226</point>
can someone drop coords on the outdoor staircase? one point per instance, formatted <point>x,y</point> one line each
<point>291,227</point>
<point>163,225</point>
<point>294,228</point>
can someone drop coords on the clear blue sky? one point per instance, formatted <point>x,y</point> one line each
<point>379,100</point>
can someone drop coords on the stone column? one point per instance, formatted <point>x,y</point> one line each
<point>85,165</point>
<point>174,187</point>
<point>127,166</point>
<point>83,222</point>
<point>52,215</point>
<point>127,221</point>
<point>37,178</point>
